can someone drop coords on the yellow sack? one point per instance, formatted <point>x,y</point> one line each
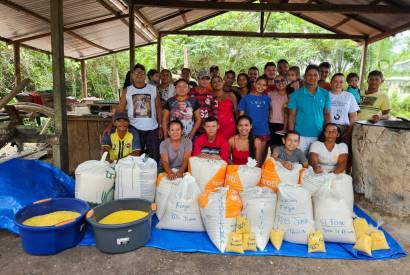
<point>361,227</point>
<point>233,204</point>
<point>242,225</point>
<point>379,240</point>
<point>364,244</point>
<point>269,177</point>
<point>235,243</point>
<point>232,178</point>
<point>249,241</point>
<point>276,237</point>
<point>316,242</point>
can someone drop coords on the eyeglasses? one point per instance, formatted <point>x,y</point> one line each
<point>280,81</point>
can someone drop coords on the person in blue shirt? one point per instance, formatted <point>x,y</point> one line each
<point>309,109</point>
<point>353,80</point>
<point>256,105</point>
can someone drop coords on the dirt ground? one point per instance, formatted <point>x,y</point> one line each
<point>87,260</point>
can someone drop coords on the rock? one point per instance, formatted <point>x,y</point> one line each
<point>381,167</point>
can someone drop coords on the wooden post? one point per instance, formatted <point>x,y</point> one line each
<point>17,72</point>
<point>60,148</point>
<point>262,22</point>
<point>159,52</point>
<point>83,69</point>
<point>131,28</point>
<point>363,63</point>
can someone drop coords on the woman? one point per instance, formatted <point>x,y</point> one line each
<point>278,113</point>
<point>244,85</point>
<point>226,108</point>
<point>327,155</point>
<point>175,151</point>
<point>244,144</point>
<point>344,107</point>
<point>166,88</point>
<point>184,108</point>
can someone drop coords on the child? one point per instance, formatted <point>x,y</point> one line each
<point>288,154</point>
<point>374,105</point>
<point>257,106</point>
<point>123,141</point>
<point>353,81</point>
<point>294,81</point>
<point>208,103</point>
<point>153,77</point>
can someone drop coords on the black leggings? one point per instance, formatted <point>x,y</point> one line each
<point>275,139</point>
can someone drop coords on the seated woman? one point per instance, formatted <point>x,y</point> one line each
<point>122,141</point>
<point>327,155</point>
<point>175,151</point>
<point>244,144</point>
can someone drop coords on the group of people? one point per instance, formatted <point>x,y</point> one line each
<point>303,120</point>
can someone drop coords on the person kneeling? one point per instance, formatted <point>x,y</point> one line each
<point>175,151</point>
<point>289,153</point>
<point>210,145</point>
<point>122,141</point>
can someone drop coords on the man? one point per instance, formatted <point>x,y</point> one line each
<point>210,145</point>
<point>186,74</point>
<point>214,70</point>
<point>123,141</point>
<point>324,68</point>
<point>253,74</point>
<point>283,67</point>
<point>374,105</point>
<point>309,109</point>
<point>270,74</point>
<point>144,111</point>
<point>233,91</point>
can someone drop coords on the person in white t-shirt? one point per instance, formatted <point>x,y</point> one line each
<point>344,107</point>
<point>166,88</point>
<point>327,155</point>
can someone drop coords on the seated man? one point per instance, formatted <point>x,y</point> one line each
<point>123,141</point>
<point>210,145</point>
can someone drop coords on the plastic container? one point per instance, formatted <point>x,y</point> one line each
<point>49,240</point>
<point>120,238</point>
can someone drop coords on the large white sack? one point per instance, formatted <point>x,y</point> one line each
<point>294,213</point>
<point>259,206</point>
<point>312,181</point>
<point>333,217</point>
<point>343,185</point>
<point>213,212</point>
<point>135,178</point>
<point>286,175</point>
<point>209,174</point>
<point>94,181</point>
<point>182,209</point>
<point>163,190</point>
<point>243,177</point>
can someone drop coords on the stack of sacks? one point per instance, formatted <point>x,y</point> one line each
<point>243,177</point>
<point>369,238</point>
<point>259,206</point>
<point>333,214</point>
<point>209,174</point>
<point>177,204</point>
<point>294,213</point>
<point>94,181</point>
<point>274,173</point>
<point>219,210</point>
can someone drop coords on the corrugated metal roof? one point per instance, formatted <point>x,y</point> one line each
<point>29,20</point>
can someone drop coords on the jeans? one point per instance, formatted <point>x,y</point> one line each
<point>150,143</point>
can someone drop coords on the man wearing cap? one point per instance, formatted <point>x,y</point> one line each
<point>123,141</point>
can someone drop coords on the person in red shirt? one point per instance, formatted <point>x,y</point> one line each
<point>211,145</point>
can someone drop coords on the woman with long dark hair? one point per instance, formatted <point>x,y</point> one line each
<point>244,144</point>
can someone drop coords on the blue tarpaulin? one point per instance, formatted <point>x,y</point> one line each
<point>23,181</point>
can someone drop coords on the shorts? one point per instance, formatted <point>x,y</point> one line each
<point>275,139</point>
<point>264,138</point>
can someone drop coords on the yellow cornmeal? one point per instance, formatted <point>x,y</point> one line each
<point>123,216</point>
<point>52,218</point>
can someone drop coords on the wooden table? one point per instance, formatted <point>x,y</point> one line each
<point>84,138</point>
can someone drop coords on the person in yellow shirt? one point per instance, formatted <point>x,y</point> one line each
<point>122,141</point>
<point>374,104</point>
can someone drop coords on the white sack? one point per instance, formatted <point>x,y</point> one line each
<point>203,170</point>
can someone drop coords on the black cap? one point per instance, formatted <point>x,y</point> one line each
<point>121,115</point>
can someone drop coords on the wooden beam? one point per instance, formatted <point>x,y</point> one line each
<point>17,89</point>
<point>266,34</point>
<point>363,63</point>
<point>170,16</point>
<point>60,149</point>
<point>390,32</point>
<point>27,11</point>
<point>147,23</point>
<point>159,52</point>
<point>88,24</point>
<point>262,22</point>
<point>116,51</point>
<point>17,63</point>
<point>83,70</point>
<point>277,7</point>
<point>131,27</point>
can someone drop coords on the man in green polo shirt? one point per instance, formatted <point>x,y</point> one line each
<point>309,109</point>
